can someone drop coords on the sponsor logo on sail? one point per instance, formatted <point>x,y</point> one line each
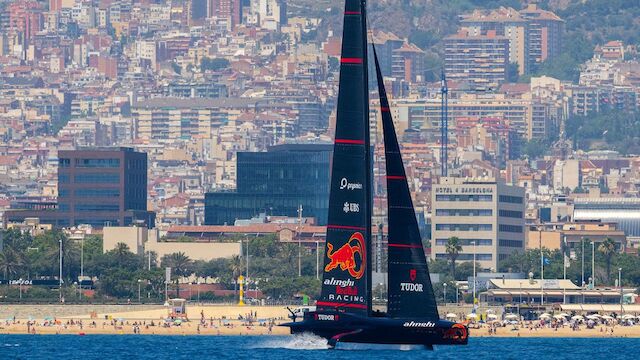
<point>412,287</point>
<point>351,207</point>
<point>414,324</point>
<point>339,282</point>
<point>413,274</point>
<point>349,257</point>
<point>345,184</point>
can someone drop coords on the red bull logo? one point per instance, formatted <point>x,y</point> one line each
<point>345,256</point>
<point>457,332</point>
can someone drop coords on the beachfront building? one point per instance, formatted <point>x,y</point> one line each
<point>555,291</point>
<point>484,213</point>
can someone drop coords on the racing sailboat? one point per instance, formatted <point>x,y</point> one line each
<point>343,311</point>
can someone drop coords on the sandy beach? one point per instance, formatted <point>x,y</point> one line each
<point>565,332</point>
<point>202,320</point>
<point>213,320</point>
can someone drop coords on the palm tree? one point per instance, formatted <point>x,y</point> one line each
<point>235,266</point>
<point>11,262</point>
<point>453,249</point>
<point>608,249</point>
<point>181,266</point>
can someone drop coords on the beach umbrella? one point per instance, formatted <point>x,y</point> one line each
<point>451,316</point>
<point>492,316</point>
<point>511,316</point>
<point>628,317</point>
<point>490,311</point>
<point>607,317</point>
<point>177,321</point>
<point>49,318</point>
<point>577,317</point>
<point>559,317</point>
<point>564,315</point>
<point>472,316</point>
<point>545,316</point>
<point>593,317</point>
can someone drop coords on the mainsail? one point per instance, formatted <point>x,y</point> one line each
<point>346,282</point>
<point>410,290</point>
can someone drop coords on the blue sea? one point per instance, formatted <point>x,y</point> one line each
<point>65,347</point>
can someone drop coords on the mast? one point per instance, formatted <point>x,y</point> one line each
<point>367,145</point>
<point>410,290</point>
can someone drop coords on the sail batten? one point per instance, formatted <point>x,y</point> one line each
<point>410,290</point>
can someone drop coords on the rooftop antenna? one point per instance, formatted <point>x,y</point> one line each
<point>444,128</point>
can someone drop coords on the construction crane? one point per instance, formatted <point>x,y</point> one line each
<point>444,128</point>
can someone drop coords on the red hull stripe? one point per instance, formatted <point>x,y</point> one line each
<point>345,227</point>
<point>405,246</point>
<point>395,177</point>
<point>336,304</point>
<point>351,60</point>
<point>385,109</point>
<point>349,141</point>
<point>352,12</point>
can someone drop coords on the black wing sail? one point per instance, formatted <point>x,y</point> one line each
<point>410,290</point>
<point>345,281</point>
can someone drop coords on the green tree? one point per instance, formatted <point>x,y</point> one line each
<point>453,249</point>
<point>180,265</point>
<point>235,266</point>
<point>608,249</point>
<point>11,262</point>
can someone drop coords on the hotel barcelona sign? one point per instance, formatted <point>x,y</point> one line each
<point>464,190</point>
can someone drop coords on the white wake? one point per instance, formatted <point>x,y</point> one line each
<point>295,342</point>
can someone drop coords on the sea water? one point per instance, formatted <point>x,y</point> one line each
<point>65,347</point>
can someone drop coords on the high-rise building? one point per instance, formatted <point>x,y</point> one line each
<point>486,215</point>
<point>103,186</point>
<point>480,60</point>
<point>544,35</point>
<point>226,9</point>
<point>505,22</point>
<point>96,186</point>
<point>534,35</point>
<point>408,63</point>
<point>25,17</point>
<point>275,182</point>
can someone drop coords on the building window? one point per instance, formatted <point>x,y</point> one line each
<point>64,162</point>
<point>510,243</point>
<point>98,178</point>
<point>464,212</point>
<point>467,257</point>
<point>447,197</point>
<point>511,199</point>
<point>510,228</point>
<point>98,192</point>
<point>510,213</point>
<point>63,179</point>
<point>464,227</point>
<point>466,242</point>
<point>97,207</point>
<point>98,163</point>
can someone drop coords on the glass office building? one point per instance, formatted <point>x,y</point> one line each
<point>276,182</point>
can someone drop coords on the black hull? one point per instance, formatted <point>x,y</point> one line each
<point>342,327</point>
